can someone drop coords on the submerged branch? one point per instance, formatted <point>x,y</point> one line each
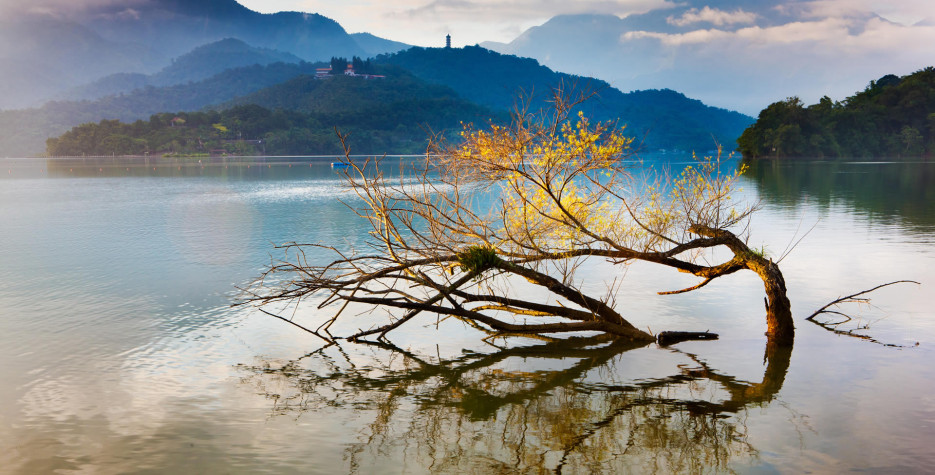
<point>853,298</point>
<point>832,326</point>
<point>289,321</point>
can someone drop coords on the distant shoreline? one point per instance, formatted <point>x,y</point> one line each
<point>227,158</point>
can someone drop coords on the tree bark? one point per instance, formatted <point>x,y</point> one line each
<point>779,325</point>
<point>780,328</point>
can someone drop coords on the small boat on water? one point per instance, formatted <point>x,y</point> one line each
<point>340,165</point>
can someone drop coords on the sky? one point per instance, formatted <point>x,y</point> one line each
<point>426,22</point>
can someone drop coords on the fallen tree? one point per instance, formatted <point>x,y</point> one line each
<point>527,201</point>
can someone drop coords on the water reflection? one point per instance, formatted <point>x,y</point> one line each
<point>884,189</point>
<point>225,168</point>
<point>566,406</point>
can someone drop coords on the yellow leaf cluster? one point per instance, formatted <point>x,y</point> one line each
<point>570,185</point>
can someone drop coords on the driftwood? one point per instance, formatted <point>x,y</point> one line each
<point>671,337</point>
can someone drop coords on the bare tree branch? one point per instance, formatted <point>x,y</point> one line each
<point>853,298</point>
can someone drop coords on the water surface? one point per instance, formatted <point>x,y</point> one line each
<point>121,352</point>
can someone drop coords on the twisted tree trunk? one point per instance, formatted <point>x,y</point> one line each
<point>780,328</point>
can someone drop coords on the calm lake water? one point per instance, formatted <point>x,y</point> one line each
<point>121,354</point>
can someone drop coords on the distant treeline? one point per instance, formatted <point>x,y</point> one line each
<point>242,130</point>
<point>894,116</point>
<point>24,132</point>
<point>254,130</point>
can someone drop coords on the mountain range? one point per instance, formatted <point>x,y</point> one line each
<point>201,63</point>
<point>112,64</point>
<point>45,54</point>
<point>660,118</point>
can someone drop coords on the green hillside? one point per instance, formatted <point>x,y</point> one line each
<point>894,116</point>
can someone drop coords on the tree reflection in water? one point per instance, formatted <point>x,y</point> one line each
<point>471,413</point>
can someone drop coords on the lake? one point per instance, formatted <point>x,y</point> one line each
<point>121,353</point>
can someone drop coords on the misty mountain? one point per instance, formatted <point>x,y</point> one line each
<point>42,55</point>
<point>375,46</point>
<point>174,27</point>
<point>23,132</point>
<point>734,54</point>
<point>208,60</point>
<point>45,54</point>
<point>201,63</point>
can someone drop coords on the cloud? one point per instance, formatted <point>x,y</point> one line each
<point>65,8</point>
<point>750,67</point>
<point>832,34</point>
<point>712,15</point>
<point>904,12</point>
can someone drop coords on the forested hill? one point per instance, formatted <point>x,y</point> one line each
<point>392,114</point>
<point>894,116</point>
<point>663,118</point>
